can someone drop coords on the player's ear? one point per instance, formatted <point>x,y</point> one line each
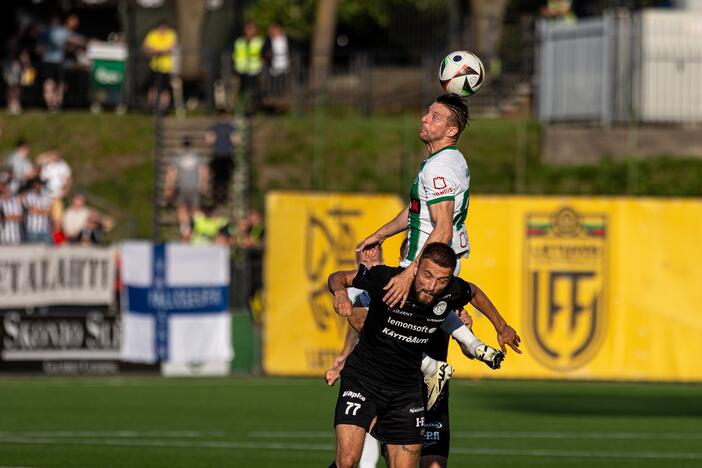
<point>452,132</point>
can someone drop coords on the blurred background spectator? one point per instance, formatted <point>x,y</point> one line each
<point>186,183</point>
<point>7,178</point>
<point>57,174</point>
<point>209,228</point>
<point>19,74</point>
<point>159,44</point>
<point>276,53</point>
<point>221,137</point>
<point>94,230</point>
<point>248,63</point>
<point>19,162</point>
<point>11,215</point>
<point>37,203</point>
<point>53,47</point>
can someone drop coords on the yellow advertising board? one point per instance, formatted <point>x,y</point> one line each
<point>598,288</point>
<point>309,236</point>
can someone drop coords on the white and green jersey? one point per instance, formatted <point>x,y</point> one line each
<point>443,176</point>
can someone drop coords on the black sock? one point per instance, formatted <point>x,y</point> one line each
<point>333,464</point>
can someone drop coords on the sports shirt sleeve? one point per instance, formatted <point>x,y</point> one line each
<point>440,182</point>
<point>374,279</point>
<point>465,293</point>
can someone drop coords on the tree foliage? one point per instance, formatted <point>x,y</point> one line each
<point>297,16</point>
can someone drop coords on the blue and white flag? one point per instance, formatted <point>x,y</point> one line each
<point>175,303</point>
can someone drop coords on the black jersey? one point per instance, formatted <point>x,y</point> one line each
<point>437,347</point>
<point>389,352</point>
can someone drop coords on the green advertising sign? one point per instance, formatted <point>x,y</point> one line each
<point>107,74</point>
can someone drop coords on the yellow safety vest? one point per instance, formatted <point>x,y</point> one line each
<point>205,229</point>
<point>247,56</point>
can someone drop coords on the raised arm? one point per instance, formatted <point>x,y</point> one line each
<point>505,333</point>
<point>337,284</point>
<point>395,226</point>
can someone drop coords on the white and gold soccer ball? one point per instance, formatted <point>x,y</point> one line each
<point>461,73</point>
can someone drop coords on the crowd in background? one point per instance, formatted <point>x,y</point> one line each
<point>32,195</point>
<point>39,55</point>
<point>257,62</point>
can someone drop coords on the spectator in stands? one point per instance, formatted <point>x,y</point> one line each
<point>186,182</point>
<point>75,219</point>
<point>159,45</point>
<point>19,74</point>
<point>22,167</point>
<point>11,216</point>
<point>37,205</point>
<point>57,38</point>
<point>93,232</point>
<point>276,53</point>
<point>248,63</point>
<point>221,137</point>
<point>249,232</point>
<point>208,228</point>
<point>558,10</point>
<point>57,174</point>
<point>6,177</point>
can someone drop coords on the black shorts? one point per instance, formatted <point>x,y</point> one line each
<point>400,413</point>
<point>437,432</point>
<point>160,80</point>
<point>52,71</point>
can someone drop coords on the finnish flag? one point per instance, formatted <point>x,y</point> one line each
<point>175,303</point>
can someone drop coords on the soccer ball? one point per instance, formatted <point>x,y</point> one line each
<point>461,73</point>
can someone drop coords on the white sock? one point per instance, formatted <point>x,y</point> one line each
<point>464,336</point>
<point>370,454</point>
<point>429,366</point>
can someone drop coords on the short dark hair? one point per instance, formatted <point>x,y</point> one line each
<point>441,254</point>
<point>21,141</point>
<point>459,111</point>
<point>187,141</point>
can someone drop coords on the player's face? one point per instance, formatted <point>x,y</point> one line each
<point>435,123</point>
<point>431,280</point>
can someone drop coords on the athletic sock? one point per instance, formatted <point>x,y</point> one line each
<point>429,366</point>
<point>464,336</point>
<point>370,454</point>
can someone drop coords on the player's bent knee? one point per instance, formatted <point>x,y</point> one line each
<point>347,460</point>
<point>433,461</point>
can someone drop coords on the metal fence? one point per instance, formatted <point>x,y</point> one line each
<point>645,67</point>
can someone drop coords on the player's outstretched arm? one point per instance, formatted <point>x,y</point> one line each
<point>358,318</point>
<point>333,374</point>
<point>470,345</point>
<point>395,226</point>
<point>468,322</point>
<point>337,283</point>
<point>506,335</point>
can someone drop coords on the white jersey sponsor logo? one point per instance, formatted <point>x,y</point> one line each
<point>405,338</point>
<point>350,394</point>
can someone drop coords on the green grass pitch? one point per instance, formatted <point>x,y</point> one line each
<point>273,422</point>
